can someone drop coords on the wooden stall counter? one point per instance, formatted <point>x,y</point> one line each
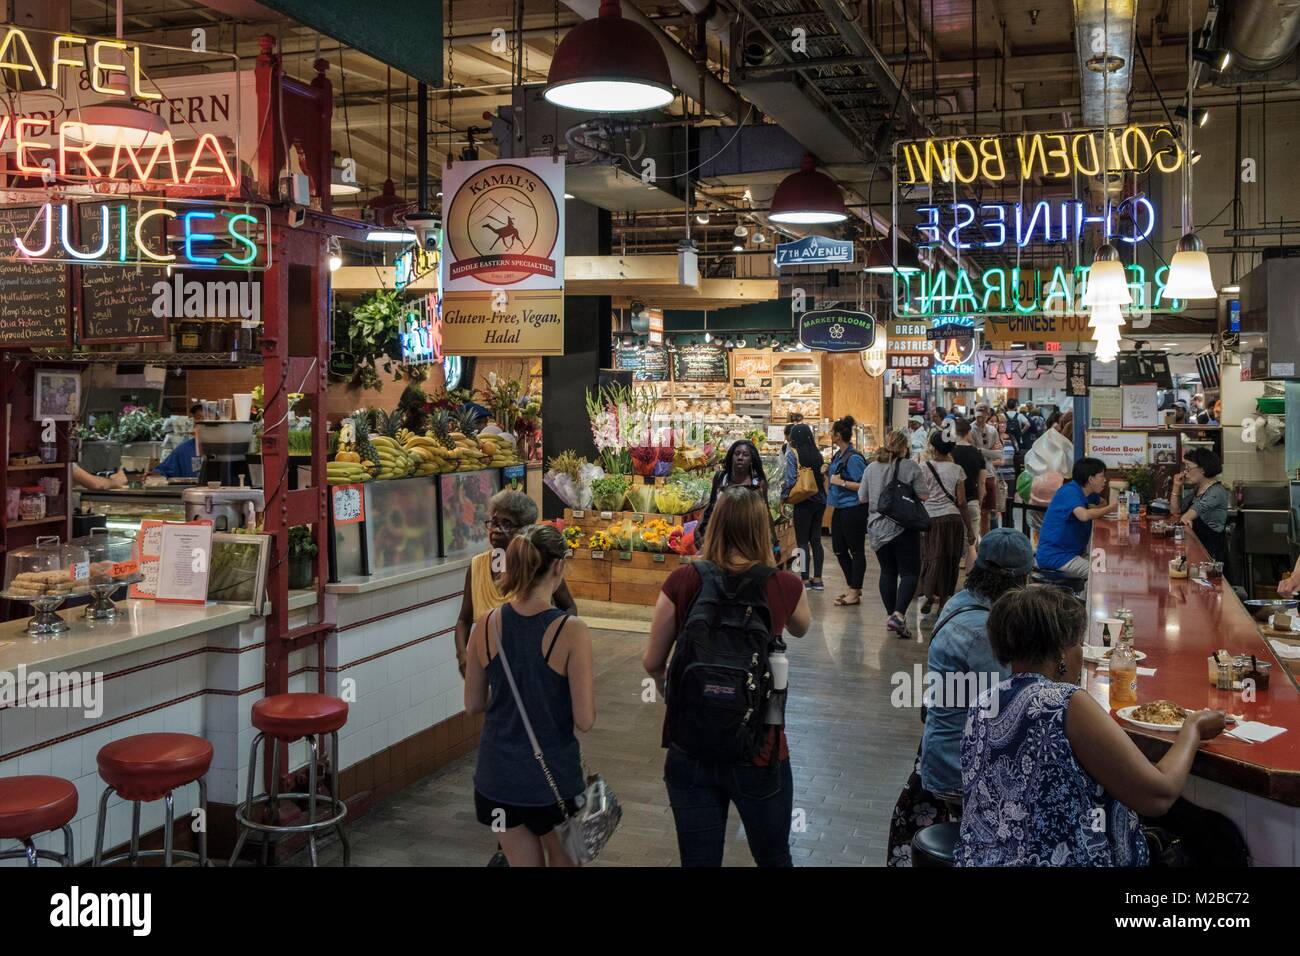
<point>1178,624</point>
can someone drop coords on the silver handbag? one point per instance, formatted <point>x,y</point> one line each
<point>582,834</point>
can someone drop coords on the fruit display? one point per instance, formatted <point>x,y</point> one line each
<point>346,473</point>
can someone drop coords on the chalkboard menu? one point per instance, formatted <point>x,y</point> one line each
<point>33,295</point>
<point>700,363</point>
<point>647,364</point>
<point>117,300</point>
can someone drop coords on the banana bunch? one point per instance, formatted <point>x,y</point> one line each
<point>431,458</point>
<point>345,473</point>
<point>394,460</point>
<point>468,454</point>
<point>499,453</point>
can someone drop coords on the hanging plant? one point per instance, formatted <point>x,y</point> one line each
<point>374,337</point>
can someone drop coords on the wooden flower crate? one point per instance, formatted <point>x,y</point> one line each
<point>587,576</point>
<point>637,577</point>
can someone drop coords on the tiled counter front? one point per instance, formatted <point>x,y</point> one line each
<point>394,659</point>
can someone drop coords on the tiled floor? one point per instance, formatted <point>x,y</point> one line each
<point>851,752</point>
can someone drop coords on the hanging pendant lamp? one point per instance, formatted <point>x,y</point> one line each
<point>807,197</point>
<point>609,64</point>
<point>1107,280</point>
<point>1189,271</point>
<point>880,260</point>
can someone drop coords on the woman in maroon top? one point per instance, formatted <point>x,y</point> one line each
<point>701,792</point>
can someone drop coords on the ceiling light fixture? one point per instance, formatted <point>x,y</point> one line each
<point>702,218</point>
<point>1107,280</point>
<point>340,185</point>
<point>1189,271</point>
<point>609,64</point>
<point>380,234</point>
<point>119,119</point>
<point>808,197</point>
<point>880,258</point>
<point>335,249</point>
<point>737,248</point>
<point>1231,289</point>
<point>740,232</point>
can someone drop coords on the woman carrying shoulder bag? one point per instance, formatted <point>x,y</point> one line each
<point>548,653</point>
<point>803,462</point>
<point>849,519</point>
<point>943,489</point>
<point>897,548</point>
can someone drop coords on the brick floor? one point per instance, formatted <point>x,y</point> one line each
<point>850,751</point>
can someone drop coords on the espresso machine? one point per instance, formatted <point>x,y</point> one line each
<point>223,446</point>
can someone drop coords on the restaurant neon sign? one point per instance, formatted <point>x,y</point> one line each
<point>992,225</point>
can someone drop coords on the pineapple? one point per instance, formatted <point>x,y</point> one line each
<point>361,439</point>
<point>440,426</point>
<point>466,421</point>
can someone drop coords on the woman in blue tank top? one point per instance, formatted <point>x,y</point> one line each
<point>549,652</point>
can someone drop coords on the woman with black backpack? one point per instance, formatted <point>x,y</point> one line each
<point>732,604</point>
<point>897,548</point>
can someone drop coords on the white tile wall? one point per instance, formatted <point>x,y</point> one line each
<point>1271,829</point>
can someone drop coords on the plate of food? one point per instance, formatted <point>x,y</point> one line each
<point>1096,654</point>
<point>1161,715</point>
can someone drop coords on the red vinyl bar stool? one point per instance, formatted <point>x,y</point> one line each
<point>148,767</point>
<point>33,805</point>
<point>283,719</point>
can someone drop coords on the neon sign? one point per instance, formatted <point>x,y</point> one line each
<point>992,225</point>
<point>81,54</point>
<point>1016,291</point>
<point>144,232</point>
<point>422,332</point>
<point>1022,157</point>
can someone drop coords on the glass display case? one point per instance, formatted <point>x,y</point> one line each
<point>125,508</point>
<point>45,575</point>
<point>112,566</point>
<point>401,523</point>
<point>463,499</point>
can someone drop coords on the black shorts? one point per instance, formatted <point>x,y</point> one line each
<point>539,820</point>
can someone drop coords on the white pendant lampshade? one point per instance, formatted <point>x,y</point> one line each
<point>1107,280</point>
<point>1105,316</point>
<point>1189,271</point>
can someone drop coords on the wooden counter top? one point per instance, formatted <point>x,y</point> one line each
<point>1179,623</point>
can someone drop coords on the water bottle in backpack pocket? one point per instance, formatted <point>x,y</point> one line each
<point>719,679</point>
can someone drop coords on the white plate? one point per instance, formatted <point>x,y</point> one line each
<point>1095,654</point>
<point>1126,713</point>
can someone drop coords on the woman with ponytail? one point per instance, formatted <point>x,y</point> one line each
<point>549,656</point>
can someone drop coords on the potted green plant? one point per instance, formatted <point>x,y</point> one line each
<point>1142,480</point>
<point>607,493</point>
<point>302,556</point>
<point>374,336</point>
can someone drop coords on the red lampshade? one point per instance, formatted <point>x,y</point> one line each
<point>609,65</point>
<point>807,197</point>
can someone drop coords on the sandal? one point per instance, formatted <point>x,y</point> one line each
<point>842,602</point>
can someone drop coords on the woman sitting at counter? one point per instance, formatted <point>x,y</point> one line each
<point>1048,778</point>
<point>509,512</point>
<point>1204,505</point>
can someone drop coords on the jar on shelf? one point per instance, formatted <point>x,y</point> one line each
<point>189,336</point>
<point>31,503</point>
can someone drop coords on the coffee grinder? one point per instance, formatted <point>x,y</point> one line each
<point>224,448</point>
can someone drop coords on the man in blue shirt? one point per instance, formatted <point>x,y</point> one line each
<point>180,463</point>
<point>960,647</point>
<point>1067,527</point>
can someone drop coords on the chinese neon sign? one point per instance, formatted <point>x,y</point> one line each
<point>1015,291</point>
<point>1023,157</point>
<point>422,332</point>
<point>144,232</point>
<point>993,225</point>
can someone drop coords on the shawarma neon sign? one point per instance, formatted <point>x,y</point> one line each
<point>212,236</point>
<point>1016,291</point>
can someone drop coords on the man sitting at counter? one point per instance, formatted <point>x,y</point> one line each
<point>1067,526</point>
<point>180,463</point>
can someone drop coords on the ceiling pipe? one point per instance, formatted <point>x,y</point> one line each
<point>720,100</point>
<point>1142,106</point>
<point>1105,77</point>
<point>1263,33</point>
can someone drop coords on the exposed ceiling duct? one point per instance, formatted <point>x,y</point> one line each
<point>1263,33</point>
<point>1105,68</point>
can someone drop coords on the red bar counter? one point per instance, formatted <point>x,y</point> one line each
<point>1178,623</point>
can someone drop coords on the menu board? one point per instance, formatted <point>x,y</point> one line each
<point>700,363</point>
<point>33,295</point>
<point>647,364</point>
<point>117,300</point>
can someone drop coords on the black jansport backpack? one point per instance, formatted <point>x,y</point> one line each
<point>718,680</point>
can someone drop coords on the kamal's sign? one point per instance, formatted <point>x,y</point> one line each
<point>837,330</point>
<point>813,250</point>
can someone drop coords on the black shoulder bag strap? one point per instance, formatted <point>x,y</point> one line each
<point>930,465</point>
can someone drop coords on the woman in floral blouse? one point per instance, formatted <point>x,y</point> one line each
<point>1049,779</point>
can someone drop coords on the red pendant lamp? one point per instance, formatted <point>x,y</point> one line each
<point>609,64</point>
<point>807,197</point>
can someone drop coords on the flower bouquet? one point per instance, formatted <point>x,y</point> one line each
<point>573,536</point>
<point>570,477</point>
<point>654,535</point>
<point>641,498</point>
<point>681,540</point>
<point>607,493</point>
<point>599,541</point>
<point>625,535</point>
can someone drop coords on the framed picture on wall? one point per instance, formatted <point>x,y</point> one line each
<point>57,396</point>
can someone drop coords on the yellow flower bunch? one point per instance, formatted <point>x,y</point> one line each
<point>598,541</point>
<point>572,535</point>
<point>654,534</point>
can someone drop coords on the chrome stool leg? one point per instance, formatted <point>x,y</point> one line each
<point>168,827</point>
<point>203,823</point>
<point>69,858</point>
<point>29,850</point>
<point>312,757</point>
<point>101,822</point>
<point>248,800</point>
<point>135,833</point>
<point>272,802</point>
<point>335,796</point>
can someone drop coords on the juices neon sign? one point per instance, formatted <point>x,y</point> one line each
<point>144,232</point>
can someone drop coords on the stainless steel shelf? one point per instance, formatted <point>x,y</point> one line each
<point>170,359</point>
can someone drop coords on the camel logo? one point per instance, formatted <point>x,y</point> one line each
<point>502,226</point>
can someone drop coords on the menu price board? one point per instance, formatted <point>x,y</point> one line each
<point>700,363</point>
<point>117,300</point>
<point>33,295</point>
<point>647,364</point>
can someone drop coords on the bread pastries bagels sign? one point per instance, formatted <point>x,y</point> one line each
<point>503,257</point>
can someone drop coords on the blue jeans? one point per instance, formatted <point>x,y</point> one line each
<point>700,794</point>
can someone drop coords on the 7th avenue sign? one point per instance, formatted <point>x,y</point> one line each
<point>837,330</point>
<point>813,250</point>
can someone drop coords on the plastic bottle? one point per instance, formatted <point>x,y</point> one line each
<point>1123,674</point>
<point>779,665</point>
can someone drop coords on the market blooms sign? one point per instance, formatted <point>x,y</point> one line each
<point>837,330</point>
